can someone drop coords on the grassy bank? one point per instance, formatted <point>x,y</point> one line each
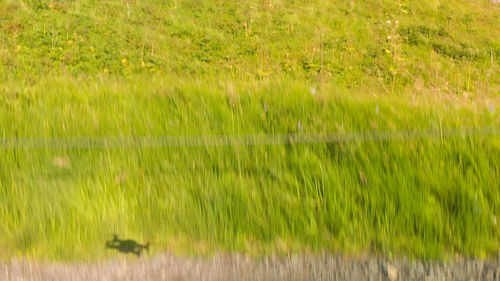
<point>427,197</point>
<point>113,69</point>
<point>444,47</point>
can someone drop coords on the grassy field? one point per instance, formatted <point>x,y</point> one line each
<point>211,68</point>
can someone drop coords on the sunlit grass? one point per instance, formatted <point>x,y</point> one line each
<point>443,47</point>
<point>76,69</point>
<point>429,198</point>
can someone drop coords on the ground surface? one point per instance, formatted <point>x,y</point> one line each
<point>237,267</point>
<point>87,86</point>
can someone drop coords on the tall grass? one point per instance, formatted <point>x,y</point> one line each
<point>427,198</point>
<point>76,69</point>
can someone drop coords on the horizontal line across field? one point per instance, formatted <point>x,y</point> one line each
<point>238,140</point>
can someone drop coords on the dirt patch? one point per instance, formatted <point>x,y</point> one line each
<point>239,267</point>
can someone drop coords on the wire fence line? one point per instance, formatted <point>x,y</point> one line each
<point>240,140</point>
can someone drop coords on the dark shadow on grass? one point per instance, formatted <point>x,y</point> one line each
<point>127,246</point>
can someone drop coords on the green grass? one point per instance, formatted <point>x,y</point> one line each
<point>204,68</point>
<point>449,47</point>
<point>428,198</point>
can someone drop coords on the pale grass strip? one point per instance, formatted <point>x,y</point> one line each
<point>240,140</point>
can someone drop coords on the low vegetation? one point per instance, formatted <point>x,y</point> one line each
<point>119,69</point>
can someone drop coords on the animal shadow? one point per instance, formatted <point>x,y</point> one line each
<point>127,246</point>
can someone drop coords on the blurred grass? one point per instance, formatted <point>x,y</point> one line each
<point>426,198</point>
<point>190,68</point>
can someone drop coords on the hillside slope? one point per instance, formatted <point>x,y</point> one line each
<point>250,126</point>
<point>383,46</point>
